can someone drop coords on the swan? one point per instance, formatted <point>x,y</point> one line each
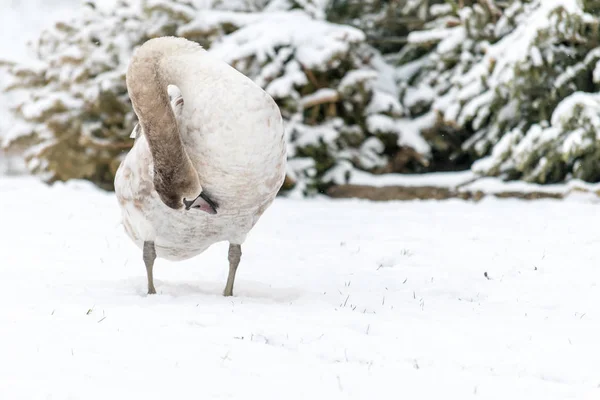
<point>205,165</point>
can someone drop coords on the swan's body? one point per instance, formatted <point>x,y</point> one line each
<point>224,141</point>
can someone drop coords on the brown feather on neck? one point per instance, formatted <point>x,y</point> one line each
<point>174,176</point>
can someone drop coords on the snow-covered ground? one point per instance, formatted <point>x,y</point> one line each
<point>334,300</point>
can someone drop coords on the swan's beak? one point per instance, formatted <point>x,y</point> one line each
<point>202,202</point>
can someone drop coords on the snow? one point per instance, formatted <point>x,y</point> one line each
<point>501,151</point>
<point>369,153</point>
<point>294,28</point>
<point>355,77</point>
<point>478,105</point>
<point>409,131</point>
<point>383,102</point>
<point>339,173</point>
<point>441,179</point>
<point>433,35</point>
<point>208,21</point>
<point>407,71</point>
<point>17,130</point>
<point>596,73</point>
<point>417,95</point>
<point>282,87</point>
<point>22,21</point>
<point>536,56</point>
<point>182,10</point>
<point>314,135</point>
<point>437,10</point>
<point>325,95</point>
<point>571,189</point>
<point>36,109</point>
<point>453,39</point>
<point>333,301</point>
<point>578,105</point>
<point>468,181</point>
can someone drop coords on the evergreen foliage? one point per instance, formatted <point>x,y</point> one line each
<point>506,87</point>
<point>515,81</point>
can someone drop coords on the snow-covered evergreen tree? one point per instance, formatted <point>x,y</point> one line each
<point>506,77</point>
<point>337,94</point>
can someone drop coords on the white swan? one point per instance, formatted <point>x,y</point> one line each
<point>203,168</point>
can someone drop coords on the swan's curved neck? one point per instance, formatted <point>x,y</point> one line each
<point>148,77</point>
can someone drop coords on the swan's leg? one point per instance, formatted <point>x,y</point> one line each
<point>235,254</point>
<point>149,257</point>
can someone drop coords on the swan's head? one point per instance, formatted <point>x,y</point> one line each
<point>193,196</point>
<point>183,190</point>
<point>202,202</point>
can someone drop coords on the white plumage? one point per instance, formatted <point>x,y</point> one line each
<point>232,134</point>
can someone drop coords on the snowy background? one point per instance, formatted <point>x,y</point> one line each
<point>22,22</point>
<point>335,299</point>
<point>505,89</point>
